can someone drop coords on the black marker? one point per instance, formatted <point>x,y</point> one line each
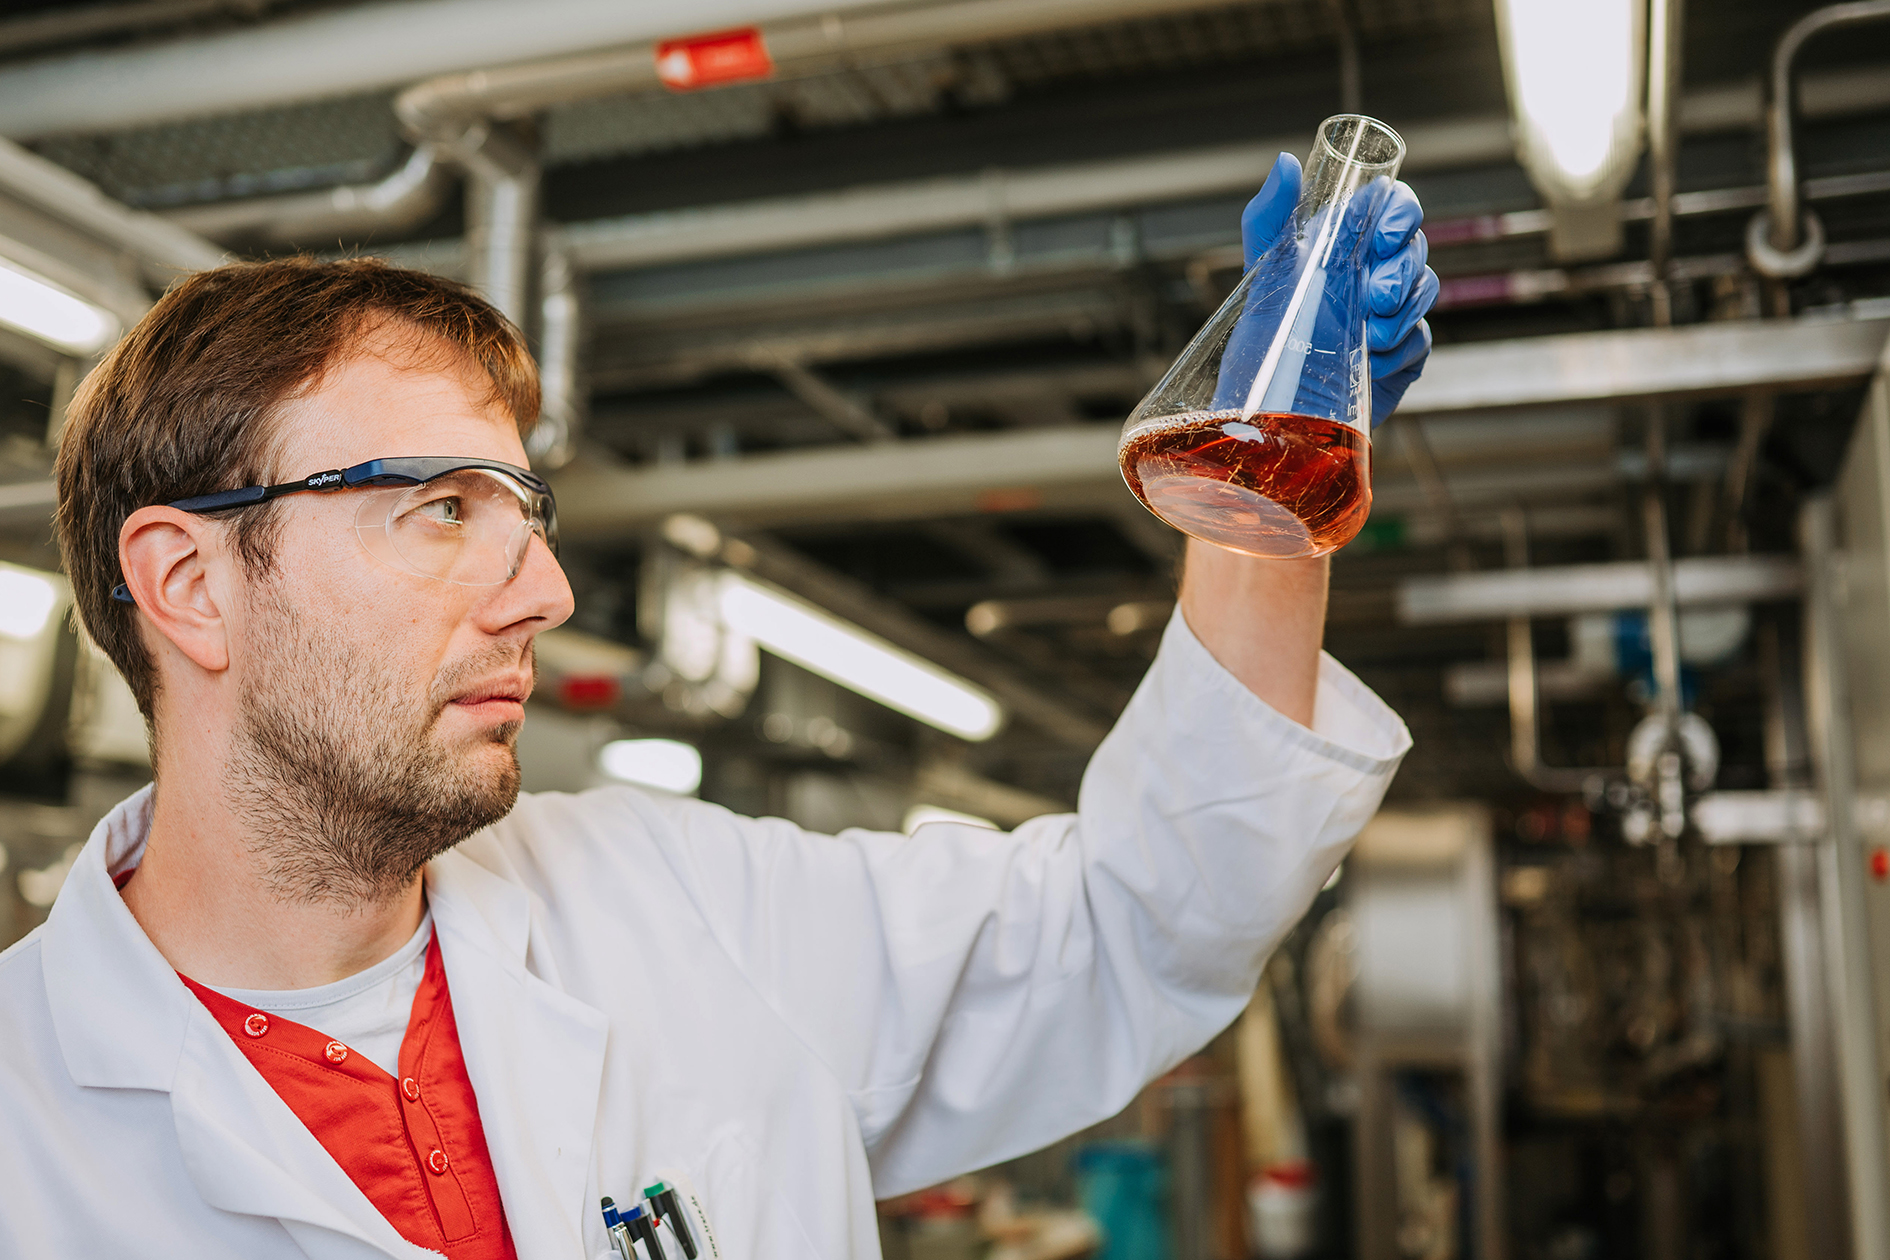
<point>662,1197</point>
<point>644,1231</point>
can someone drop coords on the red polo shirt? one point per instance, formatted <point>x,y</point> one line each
<point>414,1146</point>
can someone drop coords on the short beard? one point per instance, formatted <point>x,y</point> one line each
<point>335,770</point>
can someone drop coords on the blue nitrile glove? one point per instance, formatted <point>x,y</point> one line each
<point>1399,287</point>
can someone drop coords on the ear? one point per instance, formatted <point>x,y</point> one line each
<point>172,561</point>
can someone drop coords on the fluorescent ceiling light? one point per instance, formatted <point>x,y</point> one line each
<point>919,815</point>
<point>26,601</point>
<point>817,640</point>
<point>667,765</point>
<point>1575,84</point>
<point>39,308</point>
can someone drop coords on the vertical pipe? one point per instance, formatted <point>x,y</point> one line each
<point>1664,616</point>
<point>1483,1059</point>
<point>1665,20</point>
<point>501,217</point>
<point>1190,1167</point>
<point>560,338</point>
<point>1801,930</point>
<point>1841,894</point>
<point>1781,166</point>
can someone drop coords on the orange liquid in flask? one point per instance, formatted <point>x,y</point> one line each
<point>1276,485</point>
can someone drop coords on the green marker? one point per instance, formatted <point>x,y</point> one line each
<point>662,1197</point>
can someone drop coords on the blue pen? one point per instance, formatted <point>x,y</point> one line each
<point>619,1232</point>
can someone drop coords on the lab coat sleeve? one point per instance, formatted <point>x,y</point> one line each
<point>979,993</point>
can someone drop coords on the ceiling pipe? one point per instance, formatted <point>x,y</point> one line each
<point>407,198</point>
<point>1783,240</point>
<point>798,46</point>
<point>162,250</point>
<point>365,48</point>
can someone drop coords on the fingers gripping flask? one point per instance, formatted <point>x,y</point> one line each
<point>1259,437</point>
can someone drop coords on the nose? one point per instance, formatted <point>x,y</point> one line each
<point>537,598</point>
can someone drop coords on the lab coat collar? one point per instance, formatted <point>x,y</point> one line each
<point>534,1053</point>
<point>118,1009</point>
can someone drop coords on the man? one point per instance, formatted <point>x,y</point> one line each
<point>332,988</point>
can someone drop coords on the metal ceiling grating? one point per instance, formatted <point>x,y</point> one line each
<point>238,155</point>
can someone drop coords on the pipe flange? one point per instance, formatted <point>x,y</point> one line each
<point>1781,264</point>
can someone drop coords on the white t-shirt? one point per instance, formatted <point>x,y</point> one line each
<point>367,1012</point>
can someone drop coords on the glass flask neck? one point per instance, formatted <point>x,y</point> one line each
<point>1352,155</point>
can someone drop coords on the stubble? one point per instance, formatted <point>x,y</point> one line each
<point>338,769</point>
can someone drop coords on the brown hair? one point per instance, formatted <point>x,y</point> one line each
<point>185,405</point>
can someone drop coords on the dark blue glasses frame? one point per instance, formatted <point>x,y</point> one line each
<point>407,470</point>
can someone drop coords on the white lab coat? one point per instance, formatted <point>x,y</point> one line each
<point>787,1025</point>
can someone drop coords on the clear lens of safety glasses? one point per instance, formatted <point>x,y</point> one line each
<point>470,528</point>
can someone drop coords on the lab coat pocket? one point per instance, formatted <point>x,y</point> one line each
<point>733,1215</point>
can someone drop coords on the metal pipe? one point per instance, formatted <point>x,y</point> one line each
<point>370,47</point>
<point>560,361</point>
<point>799,44</point>
<point>1802,961</point>
<point>1663,128</point>
<point>1773,241</point>
<point>501,214</point>
<point>1663,609</point>
<point>1563,591</point>
<point>1525,692</point>
<point>399,203</point>
<point>887,210</point>
<point>162,250</point>
<point>1842,894</point>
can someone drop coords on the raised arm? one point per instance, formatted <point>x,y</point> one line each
<point>1263,620</point>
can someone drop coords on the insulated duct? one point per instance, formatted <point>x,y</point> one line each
<point>502,177</point>
<point>403,201</point>
<point>560,360</point>
<point>364,48</point>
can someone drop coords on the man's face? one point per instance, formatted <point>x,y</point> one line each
<point>378,709</point>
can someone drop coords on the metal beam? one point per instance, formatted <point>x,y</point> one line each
<point>1579,588</point>
<point>1700,359</point>
<point>1076,466</point>
<point>885,210</point>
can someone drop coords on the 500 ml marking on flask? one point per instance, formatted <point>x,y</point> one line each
<point>1277,485</point>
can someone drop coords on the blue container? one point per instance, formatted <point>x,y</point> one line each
<point>1124,1188</point>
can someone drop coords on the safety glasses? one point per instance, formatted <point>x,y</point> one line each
<point>464,521</point>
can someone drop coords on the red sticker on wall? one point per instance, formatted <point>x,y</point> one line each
<point>721,57</point>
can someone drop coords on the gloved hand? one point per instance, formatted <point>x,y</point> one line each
<point>1399,286</point>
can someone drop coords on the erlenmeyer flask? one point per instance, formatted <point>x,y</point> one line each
<point>1259,437</point>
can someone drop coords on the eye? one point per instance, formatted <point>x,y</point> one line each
<point>444,510</point>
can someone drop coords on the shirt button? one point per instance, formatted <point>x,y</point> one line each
<point>437,1161</point>
<point>410,1089</point>
<point>256,1025</point>
<point>336,1052</point>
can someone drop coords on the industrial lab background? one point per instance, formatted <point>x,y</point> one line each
<point>839,312</point>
